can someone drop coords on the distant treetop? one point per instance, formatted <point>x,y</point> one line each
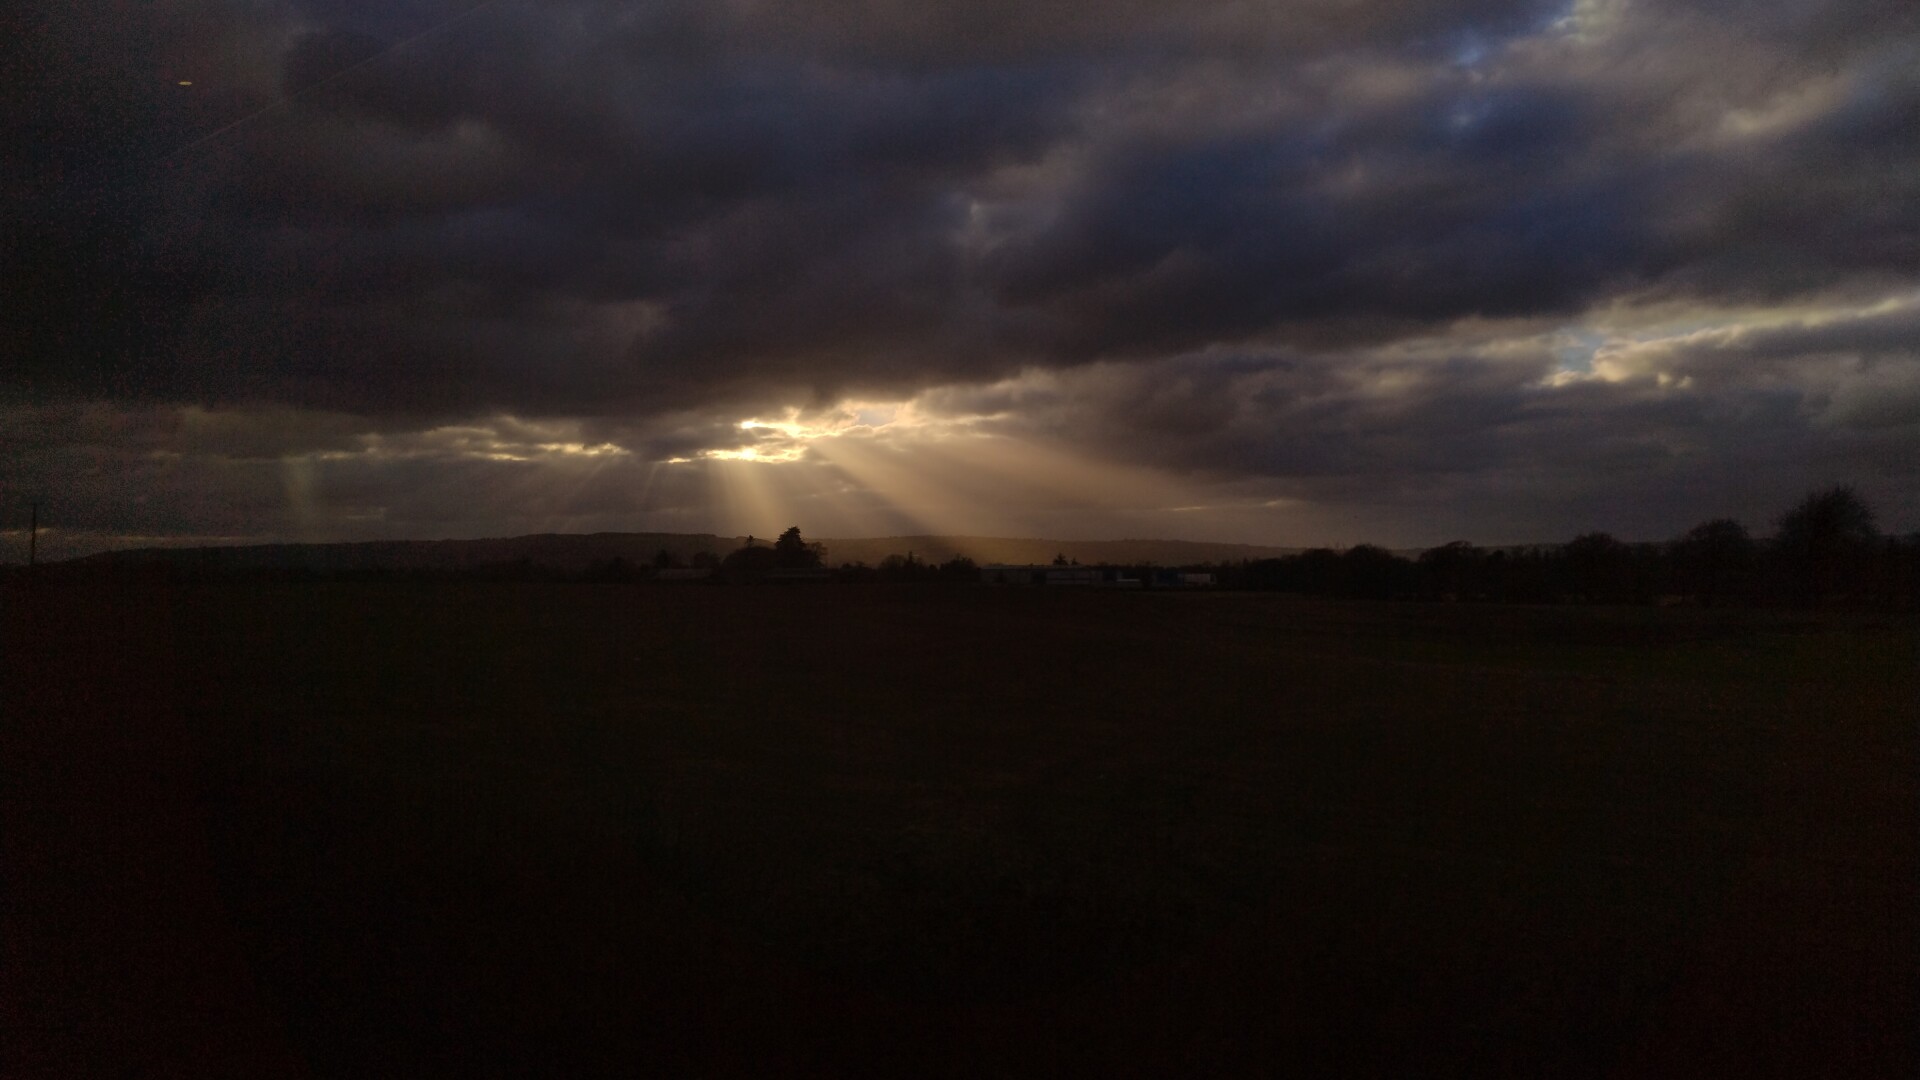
<point>1827,522</point>
<point>793,550</point>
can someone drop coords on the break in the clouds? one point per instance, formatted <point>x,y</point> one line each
<point>1295,272</point>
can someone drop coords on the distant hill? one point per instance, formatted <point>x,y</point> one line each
<point>576,552</point>
<point>1000,549</point>
<point>566,552</point>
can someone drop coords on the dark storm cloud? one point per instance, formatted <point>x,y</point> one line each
<point>1183,246</point>
<point>649,220</point>
<point>471,221</point>
<point>794,195</point>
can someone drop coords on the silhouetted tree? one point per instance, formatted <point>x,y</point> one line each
<point>959,569</point>
<point>1515,577</point>
<point>792,550</point>
<point>908,567</point>
<point>1316,570</point>
<point>1373,572</point>
<point>1714,561</point>
<point>1261,574</point>
<point>1060,559</point>
<point>750,562</point>
<point>1599,567</point>
<point>1826,543</point>
<point>1452,571</point>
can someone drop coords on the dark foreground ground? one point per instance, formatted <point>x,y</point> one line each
<point>402,830</point>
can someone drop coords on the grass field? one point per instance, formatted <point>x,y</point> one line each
<point>404,829</point>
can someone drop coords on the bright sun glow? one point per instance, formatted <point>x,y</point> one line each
<point>789,438</point>
<point>914,466</point>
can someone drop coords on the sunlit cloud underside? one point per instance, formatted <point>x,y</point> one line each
<point>877,468</point>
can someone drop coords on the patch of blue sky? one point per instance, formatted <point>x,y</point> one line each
<point>1574,348</point>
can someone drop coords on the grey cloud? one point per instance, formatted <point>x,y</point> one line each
<point>1854,369</point>
<point>792,196</point>
<point>1476,437</point>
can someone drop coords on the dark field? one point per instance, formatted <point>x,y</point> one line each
<point>393,830</point>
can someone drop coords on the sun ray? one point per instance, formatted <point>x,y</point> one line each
<point>751,503</point>
<point>907,496</point>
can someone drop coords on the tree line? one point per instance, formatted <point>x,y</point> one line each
<point>1827,551</point>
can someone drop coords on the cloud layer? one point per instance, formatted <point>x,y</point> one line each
<point>1416,268</point>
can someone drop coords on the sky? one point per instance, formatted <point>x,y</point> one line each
<point>1313,272</point>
